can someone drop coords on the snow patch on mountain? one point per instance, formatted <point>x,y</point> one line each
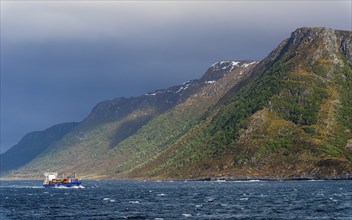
<point>154,93</point>
<point>217,70</point>
<point>175,89</point>
<point>245,65</point>
<point>225,65</point>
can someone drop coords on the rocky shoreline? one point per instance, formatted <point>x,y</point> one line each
<point>270,178</point>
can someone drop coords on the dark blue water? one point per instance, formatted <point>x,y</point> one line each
<point>179,200</point>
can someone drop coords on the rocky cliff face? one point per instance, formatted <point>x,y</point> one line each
<point>325,42</point>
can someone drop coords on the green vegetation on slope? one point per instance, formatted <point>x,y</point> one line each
<point>121,135</point>
<point>131,155</point>
<point>294,120</point>
<point>289,117</point>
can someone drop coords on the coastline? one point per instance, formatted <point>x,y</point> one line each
<point>208,179</point>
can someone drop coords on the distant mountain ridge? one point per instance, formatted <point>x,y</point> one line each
<point>32,145</point>
<point>287,116</point>
<point>120,118</point>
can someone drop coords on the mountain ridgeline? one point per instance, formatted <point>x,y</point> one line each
<point>113,124</point>
<point>32,145</point>
<point>287,116</point>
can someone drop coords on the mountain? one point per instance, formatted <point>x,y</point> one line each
<point>288,116</point>
<point>112,125</point>
<point>32,145</point>
<point>292,118</point>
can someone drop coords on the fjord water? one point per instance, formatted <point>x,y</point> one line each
<point>178,200</point>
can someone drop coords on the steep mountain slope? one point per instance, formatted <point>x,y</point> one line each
<point>32,145</point>
<point>124,116</point>
<point>109,132</point>
<point>288,116</point>
<point>293,118</point>
<point>164,130</point>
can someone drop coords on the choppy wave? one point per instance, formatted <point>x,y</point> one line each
<point>21,187</point>
<point>247,181</point>
<point>179,200</point>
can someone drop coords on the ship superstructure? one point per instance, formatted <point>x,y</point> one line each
<point>53,181</point>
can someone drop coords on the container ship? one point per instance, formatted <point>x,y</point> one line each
<point>53,181</point>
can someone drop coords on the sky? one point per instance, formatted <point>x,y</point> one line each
<point>60,58</point>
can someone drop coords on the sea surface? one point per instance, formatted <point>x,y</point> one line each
<point>179,200</point>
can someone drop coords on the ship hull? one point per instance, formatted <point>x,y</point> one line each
<point>63,185</point>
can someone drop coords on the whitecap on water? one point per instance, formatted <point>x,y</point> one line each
<point>187,215</point>
<point>332,199</point>
<point>161,194</point>
<point>210,199</point>
<point>133,202</point>
<point>64,187</point>
<point>21,187</point>
<point>247,181</point>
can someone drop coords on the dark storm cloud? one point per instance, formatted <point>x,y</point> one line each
<point>58,59</point>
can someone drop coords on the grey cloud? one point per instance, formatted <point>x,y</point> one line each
<point>123,20</point>
<point>58,59</point>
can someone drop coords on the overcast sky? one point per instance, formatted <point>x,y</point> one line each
<point>60,58</point>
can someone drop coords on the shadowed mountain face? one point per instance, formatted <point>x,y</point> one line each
<point>289,115</point>
<point>32,145</point>
<point>113,123</point>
